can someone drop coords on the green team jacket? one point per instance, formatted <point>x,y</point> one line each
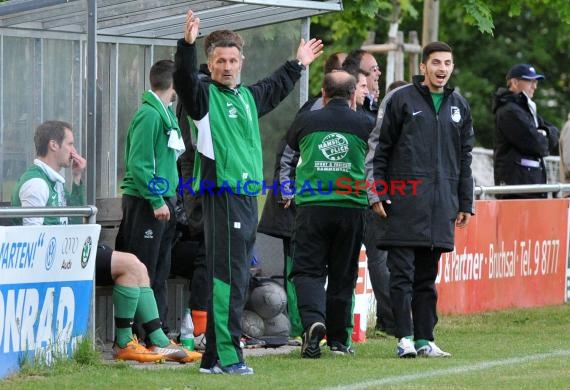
<point>228,140</point>
<point>148,159</point>
<point>332,143</point>
<point>74,199</point>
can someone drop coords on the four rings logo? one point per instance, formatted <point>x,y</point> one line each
<point>69,245</point>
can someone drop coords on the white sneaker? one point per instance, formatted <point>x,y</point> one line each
<point>406,348</point>
<point>432,350</point>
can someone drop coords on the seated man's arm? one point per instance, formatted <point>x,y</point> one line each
<point>34,193</point>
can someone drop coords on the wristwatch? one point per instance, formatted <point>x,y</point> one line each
<point>301,64</point>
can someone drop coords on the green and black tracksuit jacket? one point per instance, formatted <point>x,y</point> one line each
<point>147,155</point>
<point>228,141</point>
<point>228,155</point>
<point>333,145</point>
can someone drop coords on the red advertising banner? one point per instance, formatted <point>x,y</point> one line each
<point>512,254</point>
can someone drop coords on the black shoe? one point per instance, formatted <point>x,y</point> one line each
<point>340,349</point>
<point>311,339</point>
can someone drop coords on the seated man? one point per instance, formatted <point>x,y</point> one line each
<point>42,185</point>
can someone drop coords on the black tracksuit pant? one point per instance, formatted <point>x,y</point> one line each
<point>412,290</point>
<point>326,243</point>
<point>141,234</point>
<point>230,225</point>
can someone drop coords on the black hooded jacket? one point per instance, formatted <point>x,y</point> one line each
<point>433,150</point>
<point>520,144</point>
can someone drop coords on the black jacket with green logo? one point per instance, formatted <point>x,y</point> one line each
<point>332,143</point>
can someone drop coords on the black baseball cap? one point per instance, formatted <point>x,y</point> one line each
<point>525,72</point>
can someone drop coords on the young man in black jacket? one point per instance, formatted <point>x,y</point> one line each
<point>423,138</point>
<point>522,137</point>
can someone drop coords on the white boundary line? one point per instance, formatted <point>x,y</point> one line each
<point>451,371</point>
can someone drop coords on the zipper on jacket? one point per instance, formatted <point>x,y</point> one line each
<point>435,179</point>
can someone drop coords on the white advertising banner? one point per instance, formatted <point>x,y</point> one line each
<point>46,288</point>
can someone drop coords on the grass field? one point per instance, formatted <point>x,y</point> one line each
<point>518,349</point>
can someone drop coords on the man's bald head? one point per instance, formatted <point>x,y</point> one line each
<point>339,85</point>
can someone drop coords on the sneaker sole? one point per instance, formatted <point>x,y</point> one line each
<point>240,372</point>
<point>409,355</point>
<point>340,353</point>
<point>427,356</point>
<point>317,332</point>
<point>211,371</point>
<point>159,360</point>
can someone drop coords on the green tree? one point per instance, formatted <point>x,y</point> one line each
<point>488,37</point>
<point>347,30</point>
<point>533,34</point>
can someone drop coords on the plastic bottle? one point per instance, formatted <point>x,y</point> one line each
<point>187,331</point>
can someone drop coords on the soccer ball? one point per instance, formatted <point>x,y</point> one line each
<point>252,324</point>
<point>200,342</point>
<point>277,326</point>
<point>268,300</point>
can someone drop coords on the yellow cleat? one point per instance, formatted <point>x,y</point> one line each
<point>136,352</point>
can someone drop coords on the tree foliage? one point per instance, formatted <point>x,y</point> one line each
<point>347,30</point>
<point>530,32</point>
<point>488,37</point>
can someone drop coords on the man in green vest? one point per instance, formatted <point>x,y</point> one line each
<point>42,185</point>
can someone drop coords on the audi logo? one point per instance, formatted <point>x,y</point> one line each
<point>70,245</point>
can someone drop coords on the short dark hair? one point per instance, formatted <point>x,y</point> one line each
<point>333,62</point>
<point>210,42</point>
<point>355,71</point>
<point>434,47</point>
<point>339,85</point>
<point>47,131</point>
<point>160,75</point>
<point>354,58</point>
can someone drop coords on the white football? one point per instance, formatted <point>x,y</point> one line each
<point>277,326</point>
<point>252,324</point>
<point>268,300</point>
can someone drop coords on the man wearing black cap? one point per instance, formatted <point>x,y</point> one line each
<point>522,137</point>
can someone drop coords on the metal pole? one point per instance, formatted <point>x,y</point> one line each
<point>91,118</point>
<point>89,212</point>
<point>304,82</point>
<point>91,135</point>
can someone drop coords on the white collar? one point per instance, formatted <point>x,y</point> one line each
<point>53,175</point>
